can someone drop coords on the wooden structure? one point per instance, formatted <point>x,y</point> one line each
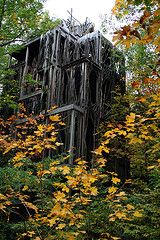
<point>76,70</point>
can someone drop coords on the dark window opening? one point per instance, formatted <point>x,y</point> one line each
<point>82,47</point>
<point>89,139</point>
<point>106,90</point>
<point>93,86</point>
<point>40,76</point>
<point>71,50</point>
<point>44,101</point>
<point>65,87</point>
<point>77,80</point>
<point>46,78</point>
<point>92,49</point>
<point>33,53</point>
<point>62,42</point>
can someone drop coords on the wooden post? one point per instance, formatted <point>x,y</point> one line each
<point>72,135</point>
<point>9,61</point>
<point>25,70</point>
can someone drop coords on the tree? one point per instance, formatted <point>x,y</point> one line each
<point>140,42</point>
<point>20,21</point>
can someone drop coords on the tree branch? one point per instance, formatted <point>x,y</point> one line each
<point>13,40</point>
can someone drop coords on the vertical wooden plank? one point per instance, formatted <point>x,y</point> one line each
<point>84,85</point>
<point>72,135</point>
<point>9,61</point>
<point>25,71</point>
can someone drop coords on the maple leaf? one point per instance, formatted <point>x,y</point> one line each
<point>137,214</point>
<point>130,118</point>
<point>135,84</point>
<point>65,170</point>
<point>61,226</point>
<point>60,197</point>
<point>129,206</point>
<point>93,191</point>
<point>52,221</point>
<point>115,180</point>
<point>135,140</point>
<point>121,194</point>
<point>25,188</point>
<point>101,162</point>
<point>120,215</point>
<point>55,118</point>
<point>2,197</point>
<point>112,189</point>
<point>142,99</point>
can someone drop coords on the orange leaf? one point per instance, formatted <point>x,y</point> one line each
<point>147,80</point>
<point>135,84</point>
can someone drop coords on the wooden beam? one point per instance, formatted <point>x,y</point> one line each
<point>30,95</point>
<point>79,61</point>
<point>64,109</point>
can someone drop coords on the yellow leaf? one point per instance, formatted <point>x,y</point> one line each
<point>130,118</point>
<point>25,188</point>
<point>137,214</point>
<point>52,221</point>
<point>128,181</point>
<point>62,124</point>
<point>135,140</point>
<point>120,194</point>
<point>141,99</point>
<point>115,180</point>
<point>112,219</point>
<point>58,144</point>
<point>61,226</point>
<point>45,172</point>
<point>40,127</point>
<point>2,197</point>
<point>65,189</point>
<point>30,205</point>
<point>65,169</point>
<point>122,132</point>
<point>129,207</point>
<point>2,207</point>
<point>55,118</point>
<point>120,215</point>
<point>93,191</point>
<point>60,196</point>
<point>150,167</point>
<point>101,162</point>
<point>127,43</point>
<point>112,190</point>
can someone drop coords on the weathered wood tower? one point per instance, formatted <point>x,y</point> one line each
<point>75,71</point>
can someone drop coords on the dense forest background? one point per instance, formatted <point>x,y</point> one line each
<point>43,198</point>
